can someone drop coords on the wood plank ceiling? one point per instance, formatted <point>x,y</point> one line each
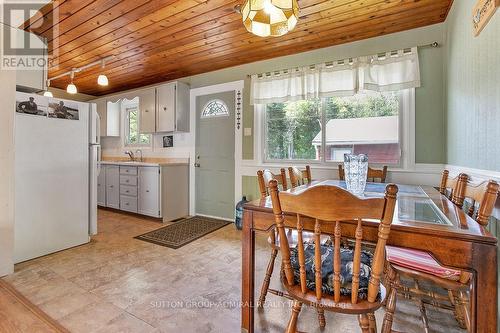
<point>158,40</point>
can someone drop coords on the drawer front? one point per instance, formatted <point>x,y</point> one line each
<point>128,203</point>
<point>128,190</point>
<point>128,180</point>
<point>128,170</point>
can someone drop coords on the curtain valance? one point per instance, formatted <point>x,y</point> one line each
<point>382,72</point>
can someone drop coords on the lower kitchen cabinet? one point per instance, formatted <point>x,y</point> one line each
<point>113,186</point>
<point>158,191</point>
<point>149,191</point>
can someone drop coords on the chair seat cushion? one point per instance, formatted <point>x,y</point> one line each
<point>420,261</point>
<point>346,269</point>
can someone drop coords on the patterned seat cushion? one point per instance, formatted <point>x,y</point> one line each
<point>420,261</point>
<point>346,269</point>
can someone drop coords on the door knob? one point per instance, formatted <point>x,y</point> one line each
<point>197,165</point>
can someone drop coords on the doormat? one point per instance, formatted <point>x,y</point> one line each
<point>183,232</point>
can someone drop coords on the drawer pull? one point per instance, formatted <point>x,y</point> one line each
<point>126,204</point>
<point>127,191</point>
<point>147,191</point>
<point>111,186</point>
<point>126,180</point>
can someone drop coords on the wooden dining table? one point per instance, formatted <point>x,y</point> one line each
<point>424,219</point>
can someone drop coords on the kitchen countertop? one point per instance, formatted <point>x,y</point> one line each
<point>147,162</point>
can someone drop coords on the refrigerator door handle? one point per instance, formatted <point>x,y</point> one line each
<point>99,159</point>
<point>97,128</point>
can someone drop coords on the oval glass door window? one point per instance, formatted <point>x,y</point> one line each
<point>215,108</point>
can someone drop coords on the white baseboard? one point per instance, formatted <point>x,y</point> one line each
<point>216,217</point>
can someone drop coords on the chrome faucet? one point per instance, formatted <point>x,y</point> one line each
<point>131,155</point>
<point>140,151</point>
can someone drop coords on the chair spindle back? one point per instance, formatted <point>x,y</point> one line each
<point>265,176</point>
<point>300,177</point>
<point>485,195</point>
<point>455,185</point>
<point>327,209</point>
<point>373,175</point>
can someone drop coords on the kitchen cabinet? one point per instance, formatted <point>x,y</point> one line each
<point>149,191</point>
<point>172,107</point>
<point>128,188</point>
<point>109,113</point>
<point>147,111</point>
<point>113,186</point>
<point>156,190</point>
<point>101,187</point>
<point>34,77</point>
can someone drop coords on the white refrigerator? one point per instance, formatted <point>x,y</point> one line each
<point>57,155</point>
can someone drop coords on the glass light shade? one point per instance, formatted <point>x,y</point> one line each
<point>102,80</point>
<point>71,89</point>
<point>270,17</point>
<point>48,94</point>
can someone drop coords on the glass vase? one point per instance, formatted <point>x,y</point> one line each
<point>356,169</point>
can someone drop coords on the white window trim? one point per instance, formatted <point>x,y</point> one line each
<point>406,135</point>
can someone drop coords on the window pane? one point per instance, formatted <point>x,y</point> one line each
<point>363,124</point>
<point>134,137</point>
<point>290,130</point>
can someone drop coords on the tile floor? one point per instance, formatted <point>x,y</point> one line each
<point>119,284</point>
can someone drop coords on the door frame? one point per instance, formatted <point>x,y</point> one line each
<point>238,142</point>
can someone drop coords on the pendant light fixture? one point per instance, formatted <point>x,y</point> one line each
<point>71,88</point>
<point>102,80</point>
<point>270,17</point>
<point>48,93</point>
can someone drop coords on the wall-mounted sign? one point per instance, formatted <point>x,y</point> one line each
<point>482,13</point>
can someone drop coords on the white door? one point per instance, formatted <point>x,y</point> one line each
<point>113,186</point>
<point>165,111</point>
<point>215,154</point>
<point>149,191</point>
<point>101,187</point>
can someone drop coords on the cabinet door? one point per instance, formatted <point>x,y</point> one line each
<point>165,111</point>
<point>101,111</point>
<point>101,187</point>
<point>113,118</point>
<point>113,186</point>
<point>147,111</point>
<point>149,191</point>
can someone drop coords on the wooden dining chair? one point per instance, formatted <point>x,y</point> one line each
<point>330,277</point>
<point>373,175</point>
<point>453,188</point>
<point>300,177</point>
<point>265,176</point>
<point>420,266</point>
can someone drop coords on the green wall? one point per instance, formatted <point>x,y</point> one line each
<point>250,187</point>
<point>430,138</point>
<point>472,90</point>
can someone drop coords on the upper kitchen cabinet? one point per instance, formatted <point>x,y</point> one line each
<point>33,78</point>
<point>172,107</point>
<point>147,110</point>
<point>109,113</point>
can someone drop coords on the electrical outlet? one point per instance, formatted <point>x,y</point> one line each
<point>247,131</point>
